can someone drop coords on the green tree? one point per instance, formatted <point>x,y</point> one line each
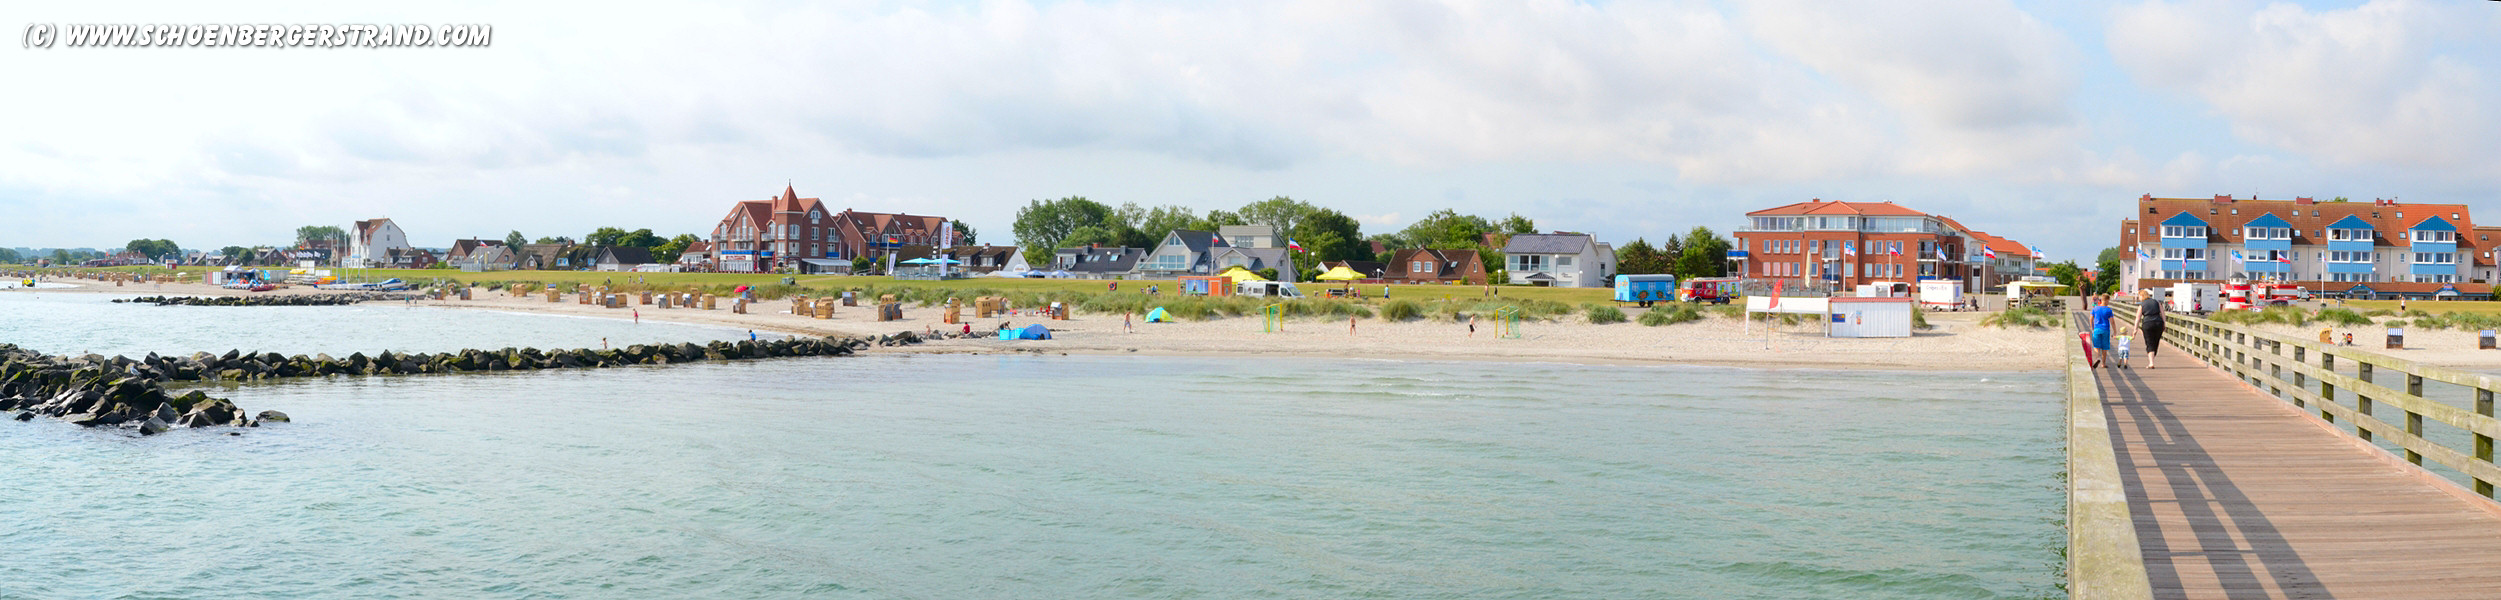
<point>1042,226</point>
<point>1447,228</point>
<point>515,240</point>
<point>612,236</point>
<point>312,233</point>
<point>61,257</point>
<point>2066,272</point>
<point>1704,254</point>
<point>1639,258</point>
<point>1215,219</point>
<point>1516,224</point>
<point>154,249</point>
<point>234,252</point>
<point>1090,234</point>
<point>557,239</point>
<point>862,265</point>
<point>2106,275</point>
<point>668,251</point>
<point>1284,214</point>
<point>1328,235</point>
<point>964,234</point>
<point>1144,226</point>
<point>8,256</point>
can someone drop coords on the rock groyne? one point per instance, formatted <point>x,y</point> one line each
<point>288,300</point>
<point>96,391</point>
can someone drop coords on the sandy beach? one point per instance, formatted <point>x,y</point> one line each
<point>1953,344</point>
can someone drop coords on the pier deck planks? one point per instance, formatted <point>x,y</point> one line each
<point>2238,495</point>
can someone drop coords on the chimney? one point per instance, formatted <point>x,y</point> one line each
<point>2303,200</point>
<point>2222,198</point>
<point>2145,198</point>
<point>1815,201</point>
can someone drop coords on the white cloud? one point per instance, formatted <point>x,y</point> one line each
<point>2391,83</point>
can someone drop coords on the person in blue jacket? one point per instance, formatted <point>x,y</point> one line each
<point>2101,329</point>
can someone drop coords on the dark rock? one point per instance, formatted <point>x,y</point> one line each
<point>273,416</point>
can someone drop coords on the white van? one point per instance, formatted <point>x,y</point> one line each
<point>2196,298</point>
<point>1279,289</point>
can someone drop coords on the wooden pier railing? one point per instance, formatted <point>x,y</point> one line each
<point>2305,373</point>
<point>2104,561</point>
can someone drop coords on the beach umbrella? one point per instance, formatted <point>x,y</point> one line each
<point>917,261</point>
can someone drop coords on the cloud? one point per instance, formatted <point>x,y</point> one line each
<point>1975,85</point>
<point>2390,83</point>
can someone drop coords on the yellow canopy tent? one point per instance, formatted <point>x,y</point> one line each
<point>1340,273</point>
<point>1240,274</point>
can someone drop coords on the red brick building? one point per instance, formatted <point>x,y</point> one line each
<point>1844,244</point>
<point>780,232</point>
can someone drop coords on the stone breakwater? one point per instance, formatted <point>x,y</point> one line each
<point>297,300</point>
<point>95,391</point>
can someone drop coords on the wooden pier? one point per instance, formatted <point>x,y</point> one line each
<point>2250,472</point>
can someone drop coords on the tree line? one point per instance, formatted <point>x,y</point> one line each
<point>1043,227</point>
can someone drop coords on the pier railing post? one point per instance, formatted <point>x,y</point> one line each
<point>2483,443</point>
<point>2414,420</point>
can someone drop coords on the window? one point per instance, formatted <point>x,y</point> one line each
<point>2184,254</point>
<point>2236,211</point>
<point>2435,258</point>
<point>1528,262</point>
<point>1421,266</point>
<point>2349,235</point>
<point>2150,210</point>
<point>2183,231</point>
<point>2421,236</point>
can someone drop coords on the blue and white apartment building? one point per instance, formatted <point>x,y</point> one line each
<point>2376,249</point>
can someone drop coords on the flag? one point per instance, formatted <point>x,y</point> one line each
<point>2036,252</point>
<point>1776,294</point>
<point>2286,258</point>
<point>1290,243</point>
<point>1849,249</point>
<point>2144,257</point>
<point>1895,248</point>
<point>2236,257</point>
<point>1988,252</point>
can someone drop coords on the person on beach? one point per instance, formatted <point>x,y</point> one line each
<point>1125,327</point>
<point>2149,325</point>
<point>638,316</point>
<point>2101,327</point>
<point>1350,325</point>
<point>1471,325</point>
<point>751,335</point>
<point>603,343</point>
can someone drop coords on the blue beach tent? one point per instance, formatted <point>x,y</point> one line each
<point>1034,332</point>
<point>1158,316</point>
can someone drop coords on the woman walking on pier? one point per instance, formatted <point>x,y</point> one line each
<point>2149,324</point>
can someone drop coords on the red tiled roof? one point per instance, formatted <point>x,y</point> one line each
<point>1819,207</point>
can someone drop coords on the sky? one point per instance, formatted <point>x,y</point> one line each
<point>2038,121</point>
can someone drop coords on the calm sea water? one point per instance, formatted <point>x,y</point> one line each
<point>72,323</point>
<point>928,476</point>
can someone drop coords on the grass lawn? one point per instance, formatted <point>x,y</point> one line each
<point>1373,291</point>
<point>2437,308</point>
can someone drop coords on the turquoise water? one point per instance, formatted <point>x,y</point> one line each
<point>951,476</point>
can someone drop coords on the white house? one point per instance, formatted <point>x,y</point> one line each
<point>1250,236</point>
<point>1183,252</point>
<point>373,241</point>
<point>1559,260</point>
